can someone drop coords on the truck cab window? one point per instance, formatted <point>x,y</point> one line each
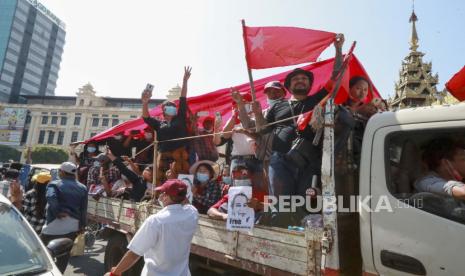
<point>426,170</point>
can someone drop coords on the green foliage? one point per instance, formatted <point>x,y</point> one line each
<point>7,153</point>
<point>48,155</point>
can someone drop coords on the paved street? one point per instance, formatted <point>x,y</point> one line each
<point>91,263</point>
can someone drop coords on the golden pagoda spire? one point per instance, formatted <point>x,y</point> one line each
<point>414,37</point>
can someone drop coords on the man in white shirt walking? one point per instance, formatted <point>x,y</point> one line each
<point>164,238</point>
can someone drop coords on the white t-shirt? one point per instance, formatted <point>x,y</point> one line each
<point>164,239</point>
<point>242,144</point>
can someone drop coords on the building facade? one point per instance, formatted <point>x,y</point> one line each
<point>31,46</point>
<point>61,120</point>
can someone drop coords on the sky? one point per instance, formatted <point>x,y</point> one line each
<point>120,46</point>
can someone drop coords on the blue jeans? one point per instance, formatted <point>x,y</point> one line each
<point>286,179</point>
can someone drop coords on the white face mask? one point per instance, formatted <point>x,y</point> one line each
<point>248,108</point>
<point>242,182</point>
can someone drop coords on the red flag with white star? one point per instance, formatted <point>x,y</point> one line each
<point>268,47</point>
<point>456,85</point>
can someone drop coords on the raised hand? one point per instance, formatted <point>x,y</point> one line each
<point>256,107</point>
<point>236,96</point>
<point>146,95</point>
<point>187,73</point>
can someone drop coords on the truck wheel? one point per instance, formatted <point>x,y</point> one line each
<point>115,250</point>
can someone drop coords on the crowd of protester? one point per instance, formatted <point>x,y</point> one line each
<point>263,149</point>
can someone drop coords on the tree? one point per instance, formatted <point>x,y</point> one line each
<point>48,155</point>
<point>7,153</point>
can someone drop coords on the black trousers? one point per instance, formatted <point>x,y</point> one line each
<point>62,261</point>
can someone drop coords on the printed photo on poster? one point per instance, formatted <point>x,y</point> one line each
<point>240,216</point>
<point>189,180</point>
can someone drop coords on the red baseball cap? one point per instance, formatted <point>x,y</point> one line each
<point>172,187</point>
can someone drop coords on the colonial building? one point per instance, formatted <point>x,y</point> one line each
<point>417,85</point>
<point>174,93</point>
<point>61,120</point>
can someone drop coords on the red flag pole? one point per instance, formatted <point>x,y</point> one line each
<point>249,71</point>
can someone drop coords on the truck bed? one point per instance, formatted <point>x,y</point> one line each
<point>265,250</point>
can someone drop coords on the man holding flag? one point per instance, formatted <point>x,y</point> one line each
<point>286,176</point>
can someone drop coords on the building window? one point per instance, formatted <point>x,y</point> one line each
<point>64,120</point>
<point>28,118</point>
<point>95,122</point>
<point>114,122</point>
<point>77,121</point>
<point>51,137</point>
<point>41,137</point>
<point>105,122</point>
<point>54,120</point>
<point>44,120</point>
<point>74,136</point>
<point>81,102</point>
<point>24,137</point>
<point>61,135</point>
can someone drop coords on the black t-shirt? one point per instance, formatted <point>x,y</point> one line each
<point>285,132</point>
<point>117,148</point>
<point>177,128</point>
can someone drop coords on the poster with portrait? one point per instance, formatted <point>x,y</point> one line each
<point>189,180</point>
<point>240,216</point>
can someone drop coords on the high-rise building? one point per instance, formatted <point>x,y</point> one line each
<point>31,45</point>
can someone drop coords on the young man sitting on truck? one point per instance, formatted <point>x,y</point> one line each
<point>164,239</point>
<point>445,159</point>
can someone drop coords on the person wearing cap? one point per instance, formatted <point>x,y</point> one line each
<point>241,176</point>
<point>164,239</point>
<point>102,164</point>
<point>34,201</point>
<point>174,125</point>
<point>204,148</point>
<point>206,189</point>
<point>66,211</point>
<point>286,177</point>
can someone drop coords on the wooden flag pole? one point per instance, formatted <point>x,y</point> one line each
<point>249,71</point>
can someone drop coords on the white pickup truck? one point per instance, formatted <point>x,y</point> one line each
<point>422,235</point>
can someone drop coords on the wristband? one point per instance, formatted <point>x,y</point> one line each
<point>112,274</point>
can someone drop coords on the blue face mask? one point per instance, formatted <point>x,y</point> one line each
<point>272,102</point>
<point>91,149</point>
<point>170,110</point>
<point>227,180</point>
<point>202,177</point>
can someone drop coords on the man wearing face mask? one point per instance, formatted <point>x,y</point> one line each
<point>204,147</point>
<point>164,239</point>
<point>173,125</point>
<point>286,177</point>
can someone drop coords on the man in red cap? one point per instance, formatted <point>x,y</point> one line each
<point>164,238</point>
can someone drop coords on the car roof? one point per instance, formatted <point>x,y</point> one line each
<point>3,199</point>
<point>46,166</point>
<point>427,114</point>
